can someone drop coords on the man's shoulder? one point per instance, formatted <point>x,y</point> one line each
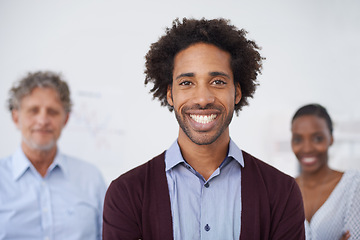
<point>154,166</point>
<point>254,162</point>
<point>81,170</point>
<point>255,168</point>
<point>6,169</point>
<point>7,160</point>
<point>7,166</point>
<point>78,163</point>
<point>148,178</point>
<point>4,162</point>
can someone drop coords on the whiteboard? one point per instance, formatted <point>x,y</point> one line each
<point>312,50</point>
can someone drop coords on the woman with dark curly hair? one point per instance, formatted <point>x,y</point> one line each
<point>204,186</point>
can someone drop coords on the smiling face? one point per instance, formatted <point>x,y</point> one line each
<point>203,93</point>
<point>40,118</point>
<point>311,139</point>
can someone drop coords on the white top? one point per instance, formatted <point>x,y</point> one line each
<point>340,212</point>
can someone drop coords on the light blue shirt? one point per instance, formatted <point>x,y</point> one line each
<point>65,204</point>
<point>205,209</point>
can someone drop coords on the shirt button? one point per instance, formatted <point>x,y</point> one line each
<point>207,227</point>
<point>207,185</point>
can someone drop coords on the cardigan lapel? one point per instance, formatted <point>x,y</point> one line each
<point>255,209</point>
<point>161,214</point>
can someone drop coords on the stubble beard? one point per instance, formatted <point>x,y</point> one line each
<point>205,138</point>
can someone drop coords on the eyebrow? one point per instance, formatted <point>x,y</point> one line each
<point>213,74</point>
<point>185,75</point>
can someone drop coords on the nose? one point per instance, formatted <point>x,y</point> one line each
<point>43,118</point>
<point>307,146</point>
<point>203,96</point>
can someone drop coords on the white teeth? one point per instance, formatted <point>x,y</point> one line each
<point>309,160</point>
<point>203,118</point>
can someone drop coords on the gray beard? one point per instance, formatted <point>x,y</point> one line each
<point>34,146</point>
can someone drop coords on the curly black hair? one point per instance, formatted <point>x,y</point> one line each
<point>246,61</point>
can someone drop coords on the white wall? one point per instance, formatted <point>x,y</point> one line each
<point>312,50</point>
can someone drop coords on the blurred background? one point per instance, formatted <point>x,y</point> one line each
<point>312,54</point>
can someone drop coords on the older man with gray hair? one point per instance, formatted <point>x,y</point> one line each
<point>45,194</point>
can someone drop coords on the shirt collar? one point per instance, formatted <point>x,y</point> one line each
<point>173,155</point>
<point>236,153</point>
<point>21,164</point>
<point>59,162</point>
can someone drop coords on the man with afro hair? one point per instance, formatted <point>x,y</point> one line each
<point>204,186</point>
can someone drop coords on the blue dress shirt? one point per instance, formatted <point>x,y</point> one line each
<point>65,204</point>
<point>205,209</point>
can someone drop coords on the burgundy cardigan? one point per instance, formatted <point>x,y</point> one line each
<point>137,204</point>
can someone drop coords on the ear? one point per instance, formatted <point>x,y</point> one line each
<point>238,94</point>
<point>169,96</point>
<point>331,140</point>
<point>66,118</point>
<point>15,117</point>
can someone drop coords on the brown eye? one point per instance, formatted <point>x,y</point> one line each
<point>296,140</point>
<point>33,111</point>
<point>52,112</point>
<point>219,82</point>
<point>318,139</point>
<point>185,83</point>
